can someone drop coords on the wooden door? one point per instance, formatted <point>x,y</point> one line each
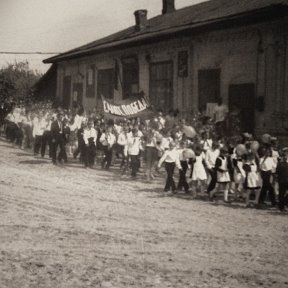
<point>243,97</point>
<point>208,87</point>
<point>67,91</point>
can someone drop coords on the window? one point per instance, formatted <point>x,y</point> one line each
<point>90,82</point>
<point>161,85</point>
<point>105,83</point>
<point>130,68</point>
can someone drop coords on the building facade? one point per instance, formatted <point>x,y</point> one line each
<point>242,59</point>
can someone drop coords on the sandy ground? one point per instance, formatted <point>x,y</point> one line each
<point>70,227</point>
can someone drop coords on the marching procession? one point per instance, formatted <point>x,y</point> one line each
<point>212,155</point>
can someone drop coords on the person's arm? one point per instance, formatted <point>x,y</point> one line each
<point>95,136</point>
<point>162,159</point>
<point>85,137</point>
<point>102,137</point>
<point>218,164</point>
<point>177,161</point>
<point>207,160</point>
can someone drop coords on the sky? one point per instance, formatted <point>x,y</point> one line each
<point>61,25</point>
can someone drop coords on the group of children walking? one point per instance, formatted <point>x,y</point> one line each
<point>240,166</point>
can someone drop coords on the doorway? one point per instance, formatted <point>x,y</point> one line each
<point>67,92</point>
<point>242,96</point>
<point>208,87</point>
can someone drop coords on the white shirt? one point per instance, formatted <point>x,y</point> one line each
<point>122,139</point>
<point>165,143</point>
<point>89,133</point>
<point>134,145</point>
<point>108,139</point>
<point>207,144</point>
<point>39,126</point>
<point>78,120</point>
<point>266,164</point>
<point>275,156</point>
<point>210,158</point>
<point>170,156</point>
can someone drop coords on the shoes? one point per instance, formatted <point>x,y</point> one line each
<point>211,196</point>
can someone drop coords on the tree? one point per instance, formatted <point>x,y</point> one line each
<point>16,81</point>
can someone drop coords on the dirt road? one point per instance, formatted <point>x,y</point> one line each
<point>70,227</point>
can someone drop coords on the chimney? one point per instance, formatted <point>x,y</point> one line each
<point>168,6</point>
<point>141,19</point>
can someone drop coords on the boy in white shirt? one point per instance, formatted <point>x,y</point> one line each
<point>107,140</point>
<point>171,159</point>
<point>90,136</point>
<point>134,146</point>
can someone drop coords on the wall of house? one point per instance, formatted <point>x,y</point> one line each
<point>255,54</point>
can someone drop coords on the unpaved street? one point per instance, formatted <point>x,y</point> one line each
<point>70,227</point>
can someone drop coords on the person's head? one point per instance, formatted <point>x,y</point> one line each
<point>220,101</point>
<point>198,150</point>
<point>183,144</point>
<point>171,112</point>
<point>224,151</point>
<point>204,135</point>
<point>135,132</point>
<point>274,142</point>
<point>249,156</point>
<point>182,122</point>
<point>159,113</point>
<point>90,124</point>
<point>215,145</point>
<point>109,129</point>
<point>172,145</point>
<point>285,153</point>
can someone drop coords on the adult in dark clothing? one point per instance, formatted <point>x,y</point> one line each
<point>81,144</point>
<point>57,139</point>
<point>46,139</point>
<point>282,174</point>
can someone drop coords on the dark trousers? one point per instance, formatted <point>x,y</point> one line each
<point>170,167</point>
<point>80,149</point>
<point>37,144</point>
<point>62,153</point>
<point>106,162</point>
<point>14,133</point>
<point>213,181</point>
<point>182,177</point>
<point>283,200</point>
<point>90,154</point>
<point>135,164</point>
<point>267,186</point>
<point>46,139</point>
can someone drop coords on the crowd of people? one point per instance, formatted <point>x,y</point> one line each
<point>211,160</point>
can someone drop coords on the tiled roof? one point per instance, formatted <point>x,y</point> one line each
<point>179,20</point>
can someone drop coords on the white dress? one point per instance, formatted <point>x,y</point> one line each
<point>199,172</point>
<point>254,180</point>
<point>223,176</point>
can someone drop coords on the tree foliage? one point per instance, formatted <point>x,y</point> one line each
<point>16,81</point>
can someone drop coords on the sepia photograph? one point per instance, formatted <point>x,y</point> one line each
<point>144,143</point>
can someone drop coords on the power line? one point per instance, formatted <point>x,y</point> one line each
<point>30,53</point>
